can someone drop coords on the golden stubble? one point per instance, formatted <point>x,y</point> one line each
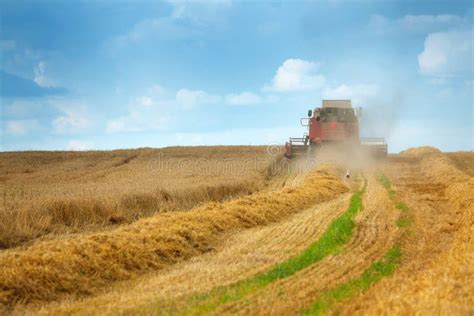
<point>438,255</point>
<point>83,263</point>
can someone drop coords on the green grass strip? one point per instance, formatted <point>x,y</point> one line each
<point>387,184</point>
<point>402,206</point>
<point>404,222</point>
<point>373,274</point>
<point>337,235</point>
<point>405,219</point>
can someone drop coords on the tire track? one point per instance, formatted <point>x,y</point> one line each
<point>375,234</point>
<point>437,271</point>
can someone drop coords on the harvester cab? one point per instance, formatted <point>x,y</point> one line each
<point>335,122</point>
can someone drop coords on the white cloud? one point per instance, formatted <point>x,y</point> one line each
<point>244,98</point>
<point>72,122</point>
<point>296,75</point>
<point>80,145</point>
<point>360,94</point>
<point>74,118</point>
<point>145,101</point>
<point>158,90</point>
<point>153,111</point>
<point>145,113</point>
<point>40,75</point>
<point>21,127</point>
<point>191,98</point>
<point>447,53</point>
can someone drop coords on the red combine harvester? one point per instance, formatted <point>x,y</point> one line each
<point>336,122</point>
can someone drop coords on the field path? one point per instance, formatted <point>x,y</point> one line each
<point>239,256</point>
<point>375,233</point>
<point>437,268</point>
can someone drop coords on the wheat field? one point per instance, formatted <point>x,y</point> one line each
<point>54,193</point>
<point>236,230</point>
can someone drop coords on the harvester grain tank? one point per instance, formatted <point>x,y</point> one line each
<point>335,122</point>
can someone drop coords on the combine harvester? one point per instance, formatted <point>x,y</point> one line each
<point>337,123</point>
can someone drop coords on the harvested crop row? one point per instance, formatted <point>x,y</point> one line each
<point>48,270</point>
<point>378,270</point>
<point>45,195</point>
<point>240,256</point>
<point>344,291</point>
<point>376,233</point>
<point>437,268</point>
<point>52,218</point>
<point>337,234</point>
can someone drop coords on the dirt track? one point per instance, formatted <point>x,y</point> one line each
<point>433,276</point>
<point>375,233</point>
<point>438,265</point>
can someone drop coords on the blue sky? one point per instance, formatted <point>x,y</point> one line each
<point>104,74</point>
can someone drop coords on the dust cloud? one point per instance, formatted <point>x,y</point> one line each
<point>380,117</point>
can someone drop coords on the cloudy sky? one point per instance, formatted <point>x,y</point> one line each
<point>106,74</point>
